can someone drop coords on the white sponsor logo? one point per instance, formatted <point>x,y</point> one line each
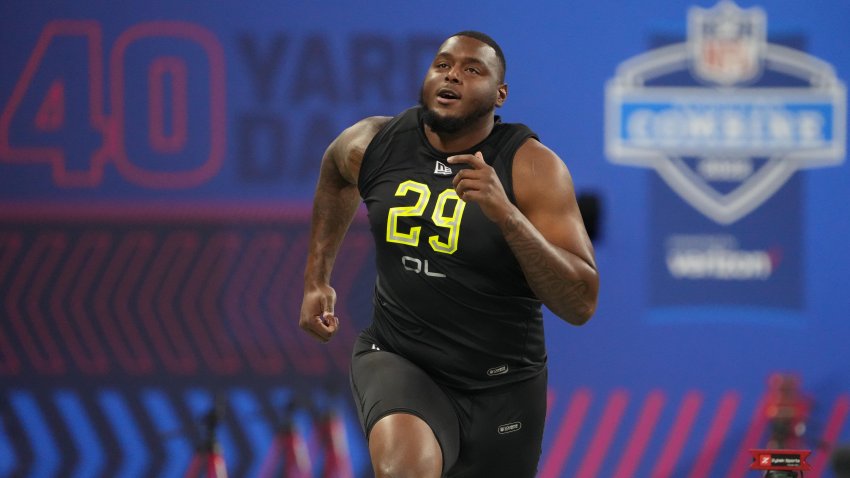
<point>718,258</point>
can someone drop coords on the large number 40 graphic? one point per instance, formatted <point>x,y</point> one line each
<point>441,217</point>
<point>56,113</point>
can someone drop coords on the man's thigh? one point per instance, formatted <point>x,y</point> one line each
<point>502,431</point>
<point>384,383</point>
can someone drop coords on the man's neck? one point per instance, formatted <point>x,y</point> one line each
<point>463,139</point>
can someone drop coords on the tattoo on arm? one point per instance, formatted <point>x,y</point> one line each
<point>551,272</point>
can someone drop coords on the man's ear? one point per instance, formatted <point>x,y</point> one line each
<point>501,95</point>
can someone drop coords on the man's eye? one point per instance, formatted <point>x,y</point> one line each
<point>473,70</point>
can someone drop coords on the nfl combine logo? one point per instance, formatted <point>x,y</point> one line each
<point>725,118</point>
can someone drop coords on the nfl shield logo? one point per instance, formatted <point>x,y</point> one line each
<point>727,42</point>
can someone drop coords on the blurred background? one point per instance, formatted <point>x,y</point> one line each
<point>157,163</point>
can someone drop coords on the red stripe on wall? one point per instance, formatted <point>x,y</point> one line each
<point>678,435</point>
<point>834,424</point>
<point>604,434</point>
<point>741,466</point>
<point>716,435</point>
<point>567,432</point>
<point>636,447</point>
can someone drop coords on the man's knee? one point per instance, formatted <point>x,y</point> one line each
<point>408,467</point>
<point>402,445</point>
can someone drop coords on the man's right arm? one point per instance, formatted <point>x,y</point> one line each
<point>335,202</point>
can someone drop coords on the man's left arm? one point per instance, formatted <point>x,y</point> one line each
<point>544,230</point>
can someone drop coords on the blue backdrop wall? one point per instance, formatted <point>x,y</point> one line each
<point>157,161</point>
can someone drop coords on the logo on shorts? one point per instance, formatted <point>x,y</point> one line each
<point>509,427</point>
<point>500,370</point>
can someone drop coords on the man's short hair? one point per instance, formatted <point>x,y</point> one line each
<point>485,38</point>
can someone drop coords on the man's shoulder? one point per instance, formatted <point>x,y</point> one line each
<point>373,122</point>
<point>357,137</point>
<point>366,128</point>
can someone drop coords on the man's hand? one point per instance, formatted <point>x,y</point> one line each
<point>480,185</point>
<point>317,313</point>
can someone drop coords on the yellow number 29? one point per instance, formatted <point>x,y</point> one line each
<point>441,217</point>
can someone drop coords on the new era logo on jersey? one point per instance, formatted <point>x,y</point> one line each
<point>441,169</point>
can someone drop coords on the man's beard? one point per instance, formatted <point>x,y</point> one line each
<point>443,124</point>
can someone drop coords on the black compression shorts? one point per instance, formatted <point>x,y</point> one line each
<point>494,433</point>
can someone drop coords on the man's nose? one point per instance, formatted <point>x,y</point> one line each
<point>452,75</point>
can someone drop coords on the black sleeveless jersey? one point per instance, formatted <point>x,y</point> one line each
<point>450,295</point>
